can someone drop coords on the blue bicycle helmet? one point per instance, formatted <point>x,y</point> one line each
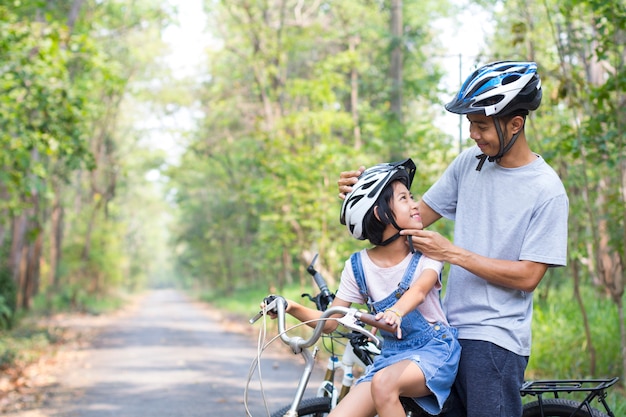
<point>503,88</point>
<point>499,89</point>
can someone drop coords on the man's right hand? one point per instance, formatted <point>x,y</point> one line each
<point>346,180</point>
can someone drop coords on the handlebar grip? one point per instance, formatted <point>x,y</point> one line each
<point>321,284</point>
<point>379,324</point>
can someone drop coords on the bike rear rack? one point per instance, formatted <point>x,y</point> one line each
<point>596,388</point>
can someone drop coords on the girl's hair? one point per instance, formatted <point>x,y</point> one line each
<point>373,228</point>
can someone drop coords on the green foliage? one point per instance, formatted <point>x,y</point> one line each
<point>40,112</point>
<point>62,88</point>
<point>257,189</point>
<point>559,348</point>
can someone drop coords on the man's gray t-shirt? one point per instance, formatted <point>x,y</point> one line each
<point>502,213</point>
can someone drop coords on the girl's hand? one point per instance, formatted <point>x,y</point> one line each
<point>272,312</point>
<point>391,317</point>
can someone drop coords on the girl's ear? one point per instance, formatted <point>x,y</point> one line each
<point>376,213</point>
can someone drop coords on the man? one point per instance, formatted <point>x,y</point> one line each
<point>510,211</point>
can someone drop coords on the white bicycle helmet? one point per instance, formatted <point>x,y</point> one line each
<point>499,89</point>
<point>365,192</point>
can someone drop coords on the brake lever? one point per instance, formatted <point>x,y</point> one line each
<point>350,321</point>
<point>268,307</point>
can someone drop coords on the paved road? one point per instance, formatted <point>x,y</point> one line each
<point>170,356</point>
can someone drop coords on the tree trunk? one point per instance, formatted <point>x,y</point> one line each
<point>56,239</point>
<point>396,58</point>
<point>32,271</point>
<point>15,255</point>
<point>354,96</point>
<point>73,14</point>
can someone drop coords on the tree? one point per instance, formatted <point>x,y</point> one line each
<point>66,70</point>
<point>297,93</point>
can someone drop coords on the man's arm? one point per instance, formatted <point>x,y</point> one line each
<point>519,275</point>
<point>428,215</point>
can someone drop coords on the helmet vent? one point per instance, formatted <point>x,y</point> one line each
<point>490,101</point>
<point>511,79</point>
<point>477,87</point>
<point>356,199</point>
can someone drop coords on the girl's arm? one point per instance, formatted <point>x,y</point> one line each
<point>414,296</point>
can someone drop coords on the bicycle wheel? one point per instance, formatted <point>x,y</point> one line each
<point>559,407</point>
<point>311,407</point>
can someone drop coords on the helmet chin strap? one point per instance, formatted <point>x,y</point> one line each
<point>503,149</point>
<point>398,235</point>
<point>391,239</point>
<point>394,224</point>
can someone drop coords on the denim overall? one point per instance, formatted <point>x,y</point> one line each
<point>433,347</point>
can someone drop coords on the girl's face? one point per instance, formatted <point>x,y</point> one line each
<point>404,208</point>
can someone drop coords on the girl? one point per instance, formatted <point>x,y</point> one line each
<point>401,287</point>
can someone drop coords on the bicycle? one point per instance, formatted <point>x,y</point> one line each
<point>351,318</point>
<point>362,346</point>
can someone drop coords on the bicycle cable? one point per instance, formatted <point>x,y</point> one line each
<point>256,363</point>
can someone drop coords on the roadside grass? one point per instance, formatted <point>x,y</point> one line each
<point>23,350</point>
<point>247,302</point>
<point>28,340</point>
<point>560,349</point>
<point>25,344</point>
<point>76,299</point>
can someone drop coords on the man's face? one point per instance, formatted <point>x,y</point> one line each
<point>483,132</point>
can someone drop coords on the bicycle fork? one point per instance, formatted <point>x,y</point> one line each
<point>327,388</point>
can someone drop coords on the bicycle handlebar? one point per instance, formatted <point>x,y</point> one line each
<point>349,319</point>
<point>319,279</point>
<point>325,297</point>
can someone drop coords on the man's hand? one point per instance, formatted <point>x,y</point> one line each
<point>346,180</point>
<point>431,244</point>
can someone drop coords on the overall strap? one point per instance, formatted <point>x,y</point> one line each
<point>359,276</point>
<point>408,275</point>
